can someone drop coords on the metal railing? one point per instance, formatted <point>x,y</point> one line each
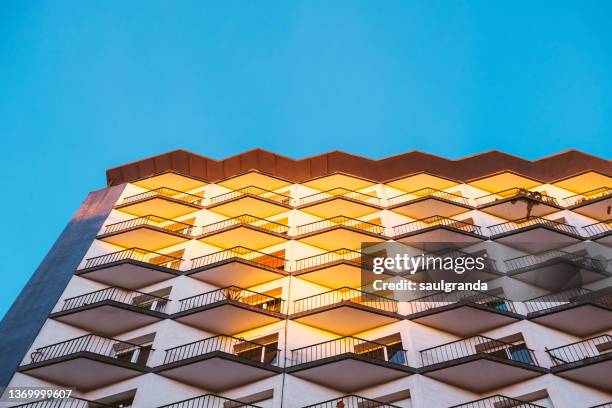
<point>497,401</point>
<point>351,401</point>
<point>71,402</point>
<point>345,295</point>
<point>392,353</point>
<point>233,294</point>
<point>477,345</point>
<point>240,252</point>
<point>604,405</point>
<point>245,219</point>
<point>252,191</point>
<point>516,193</point>
<point>599,228</point>
<point>531,221</point>
<point>428,192</point>
<point>209,401</point>
<point>249,350</point>
<point>575,295</point>
<point>151,220</point>
<point>165,192</point>
<point>581,350</point>
<point>90,343</point>
<point>340,192</point>
<point>442,299</point>
<point>117,294</point>
<point>360,259</point>
<point>588,196</point>
<point>135,254</point>
<point>340,221</point>
<point>435,221</point>
<point>528,262</point>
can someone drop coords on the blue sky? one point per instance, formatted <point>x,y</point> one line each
<point>88,85</point>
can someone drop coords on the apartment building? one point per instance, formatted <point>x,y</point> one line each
<point>189,283</point>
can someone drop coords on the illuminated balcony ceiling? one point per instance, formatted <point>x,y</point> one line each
<point>170,179</point>
<point>257,206</point>
<point>517,203</point>
<point>340,202</point>
<point>504,181</point>
<point>331,233</point>
<point>338,180</point>
<point>584,181</point>
<point>426,201</point>
<point>254,178</point>
<point>421,180</point>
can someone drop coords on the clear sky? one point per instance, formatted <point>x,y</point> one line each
<point>88,85</point>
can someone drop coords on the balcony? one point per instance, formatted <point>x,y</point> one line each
<point>349,232</point>
<point>163,202</point>
<point>588,362</point>
<point>438,229</point>
<point>230,310</point>
<point>535,234</point>
<point>340,202</point>
<point>348,364</point>
<point>258,232</point>
<point>209,401</point>
<point>600,232</point>
<point>149,232</point>
<point>352,401</point>
<point>170,179</point>
<point>480,364</point>
<point>221,362</point>
<point>131,268</point>
<point>579,312</point>
<point>254,178</point>
<point>112,311</point>
<point>421,203</point>
<point>71,402</point>
<point>593,204</point>
<point>238,266</point>
<point>340,267</point>
<point>497,401</point>
<point>515,203</point>
<point>87,362</point>
<point>464,313</point>
<point>554,270</point>
<point>345,311</point>
<point>253,200</point>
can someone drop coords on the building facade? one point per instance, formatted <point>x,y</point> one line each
<point>190,282</point>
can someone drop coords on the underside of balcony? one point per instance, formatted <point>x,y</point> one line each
<point>237,271</point>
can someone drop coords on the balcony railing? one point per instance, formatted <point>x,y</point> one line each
<point>428,192</point>
<point>528,262</point>
<point>477,345</point>
<point>442,299</point>
<point>340,192</point>
<point>233,294</point>
<point>345,295</point>
<point>135,254</point>
<point>531,221</point>
<point>581,350</point>
<point>435,221</point>
<point>246,220</point>
<point>239,252</point>
<point>164,192</point>
<point>605,405</point>
<point>71,402</point>
<point>351,401</point>
<point>340,221</point>
<point>588,196</point>
<point>151,220</point>
<point>248,350</point>
<point>599,228</point>
<point>129,297</point>
<point>516,193</point>
<point>497,401</point>
<point>356,257</point>
<point>90,343</point>
<point>252,191</point>
<point>392,353</point>
<point>209,401</point>
<point>576,295</point>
